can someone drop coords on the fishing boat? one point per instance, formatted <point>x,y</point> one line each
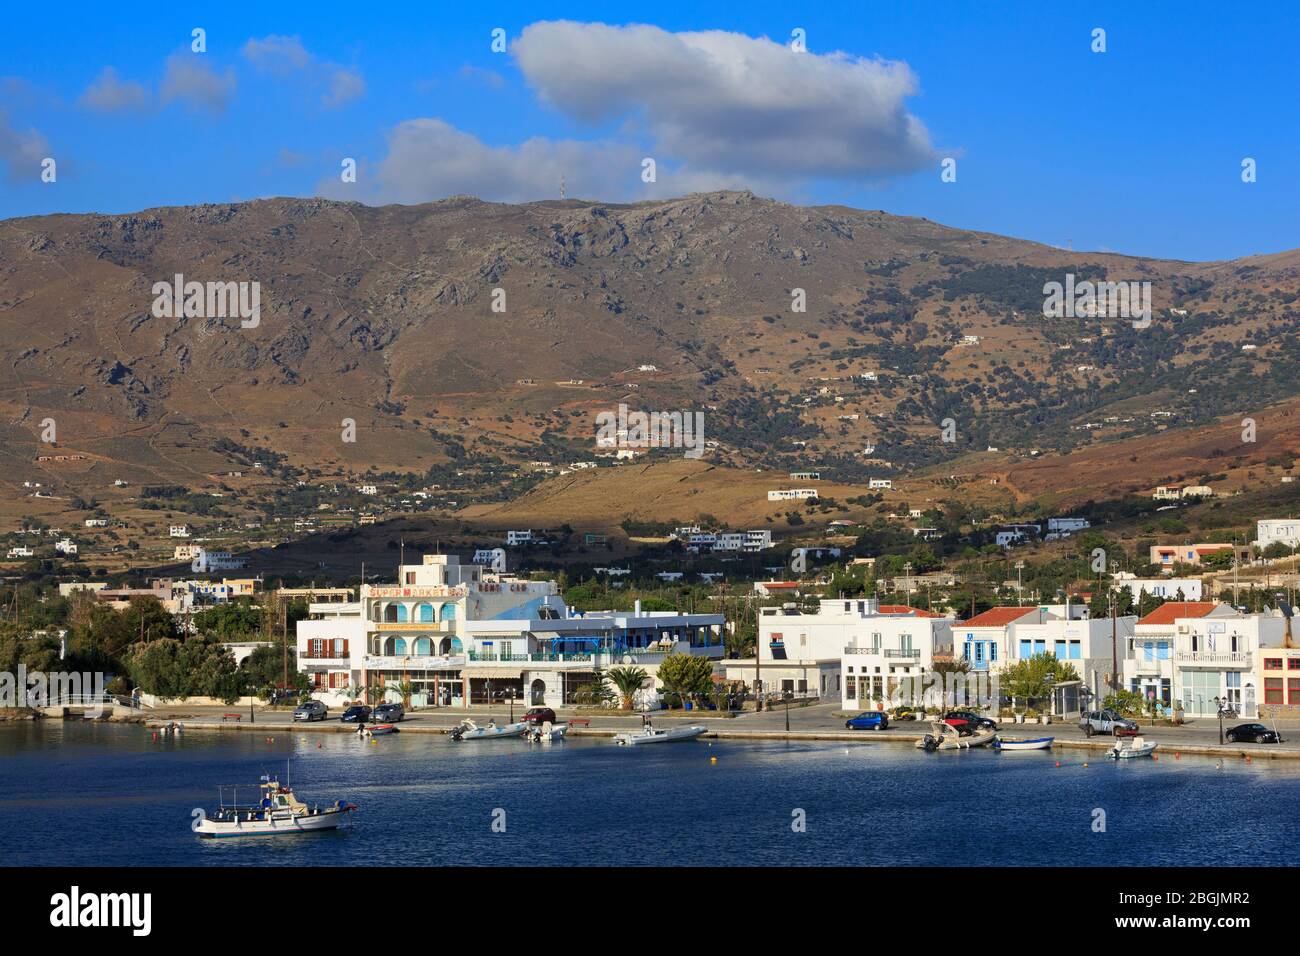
<point>944,736</point>
<point>1038,743</point>
<point>546,732</point>
<point>648,735</point>
<point>278,812</point>
<point>468,730</point>
<point>1132,747</point>
<point>378,730</point>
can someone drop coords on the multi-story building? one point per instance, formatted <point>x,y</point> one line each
<point>1279,677</point>
<point>458,634</point>
<point>1181,589</point>
<point>516,538</point>
<point>205,561</point>
<point>1278,530</point>
<point>791,494</point>
<point>1167,555</point>
<point>1200,653</point>
<point>878,647</point>
<point>548,654</point>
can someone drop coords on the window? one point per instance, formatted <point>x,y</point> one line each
<point>1293,663</point>
<point>1272,690</point>
<point>1275,663</point>
<point>1076,651</point>
<point>1026,648</point>
<point>850,687</point>
<point>1060,650</point>
<point>1293,690</point>
<point>993,651</point>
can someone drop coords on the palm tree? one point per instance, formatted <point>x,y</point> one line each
<point>628,680</point>
<point>405,688</point>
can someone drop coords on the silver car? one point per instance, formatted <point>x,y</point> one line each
<point>312,710</point>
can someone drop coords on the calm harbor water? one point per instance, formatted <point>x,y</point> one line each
<point>84,794</point>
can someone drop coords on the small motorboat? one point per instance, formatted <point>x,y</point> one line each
<point>1038,743</point>
<point>1133,747</point>
<point>945,736</point>
<point>468,730</point>
<point>278,812</point>
<point>378,730</point>
<point>648,735</point>
<point>546,732</point>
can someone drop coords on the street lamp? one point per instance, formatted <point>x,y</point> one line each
<point>787,695</point>
<point>1225,710</point>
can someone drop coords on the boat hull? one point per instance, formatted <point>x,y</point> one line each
<point>1039,743</point>
<point>659,737</point>
<point>491,733</point>
<point>287,825</point>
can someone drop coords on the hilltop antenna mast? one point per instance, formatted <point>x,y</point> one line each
<point>561,185</point>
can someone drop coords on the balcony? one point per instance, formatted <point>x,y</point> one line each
<point>479,657</point>
<point>1214,658</point>
<point>427,627</point>
<point>903,654</point>
<point>413,663</point>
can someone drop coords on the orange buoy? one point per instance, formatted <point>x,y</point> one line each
<point>1177,756</point>
<point>713,760</point>
<point>1058,763</point>
<point>1247,758</point>
<point>1155,756</point>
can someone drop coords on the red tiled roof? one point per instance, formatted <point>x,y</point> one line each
<point>905,609</point>
<point>1170,612</point>
<point>999,616</point>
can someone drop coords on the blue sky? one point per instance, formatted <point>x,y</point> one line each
<point>1134,150</point>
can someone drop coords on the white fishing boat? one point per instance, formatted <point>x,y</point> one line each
<point>648,735</point>
<point>1038,743</point>
<point>1132,747</point>
<point>546,732</point>
<point>944,736</point>
<point>468,730</point>
<point>278,812</point>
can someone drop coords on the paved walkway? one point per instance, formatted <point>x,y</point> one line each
<point>816,722</point>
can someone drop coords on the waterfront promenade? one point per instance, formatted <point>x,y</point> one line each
<point>815,722</point>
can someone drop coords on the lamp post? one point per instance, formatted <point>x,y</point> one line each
<point>787,695</point>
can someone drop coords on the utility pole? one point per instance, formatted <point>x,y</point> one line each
<point>1114,647</point>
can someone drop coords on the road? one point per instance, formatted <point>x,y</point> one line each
<point>817,721</point>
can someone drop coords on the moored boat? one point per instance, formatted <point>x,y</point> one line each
<point>648,735</point>
<point>1132,747</point>
<point>278,812</point>
<point>1037,743</point>
<point>378,730</point>
<point>944,736</point>
<point>468,730</point>
<point>546,732</point>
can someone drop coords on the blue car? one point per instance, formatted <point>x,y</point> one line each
<point>869,720</point>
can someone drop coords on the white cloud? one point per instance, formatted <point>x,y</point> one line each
<point>188,79</point>
<point>285,55</point>
<point>277,54</point>
<point>21,152</point>
<point>108,94</point>
<point>344,87</point>
<point>729,103</point>
<point>429,159</point>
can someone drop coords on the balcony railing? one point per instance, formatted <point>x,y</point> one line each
<point>412,662</point>
<point>862,649</point>
<point>904,654</point>
<point>893,653</point>
<point>1234,658</point>
<point>481,656</point>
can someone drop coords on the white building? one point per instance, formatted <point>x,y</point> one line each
<point>792,494</point>
<point>205,561</point>
<point>879,483</point>
<point>494,559</point>
<point>96,522</point>
<point>180,531</point>
<point>66,546</point>
<point>1278,530</point>
<point>1195,652</point>
<point>1167,588</point>
<point>877,646</point>
<point>517,538</point>
<point>1064,526</point>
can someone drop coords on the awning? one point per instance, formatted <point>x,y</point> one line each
<point>508,671</point>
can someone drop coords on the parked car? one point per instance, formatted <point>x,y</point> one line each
<point>539,715</point>
<point>972,720</point>
<point>868,720</point>
<point>1253,734</point>
<point>312,710</point>
<point>388,713</point>
<point>358,713</point>
<point>905,713</point>
<point>1106,722</point>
